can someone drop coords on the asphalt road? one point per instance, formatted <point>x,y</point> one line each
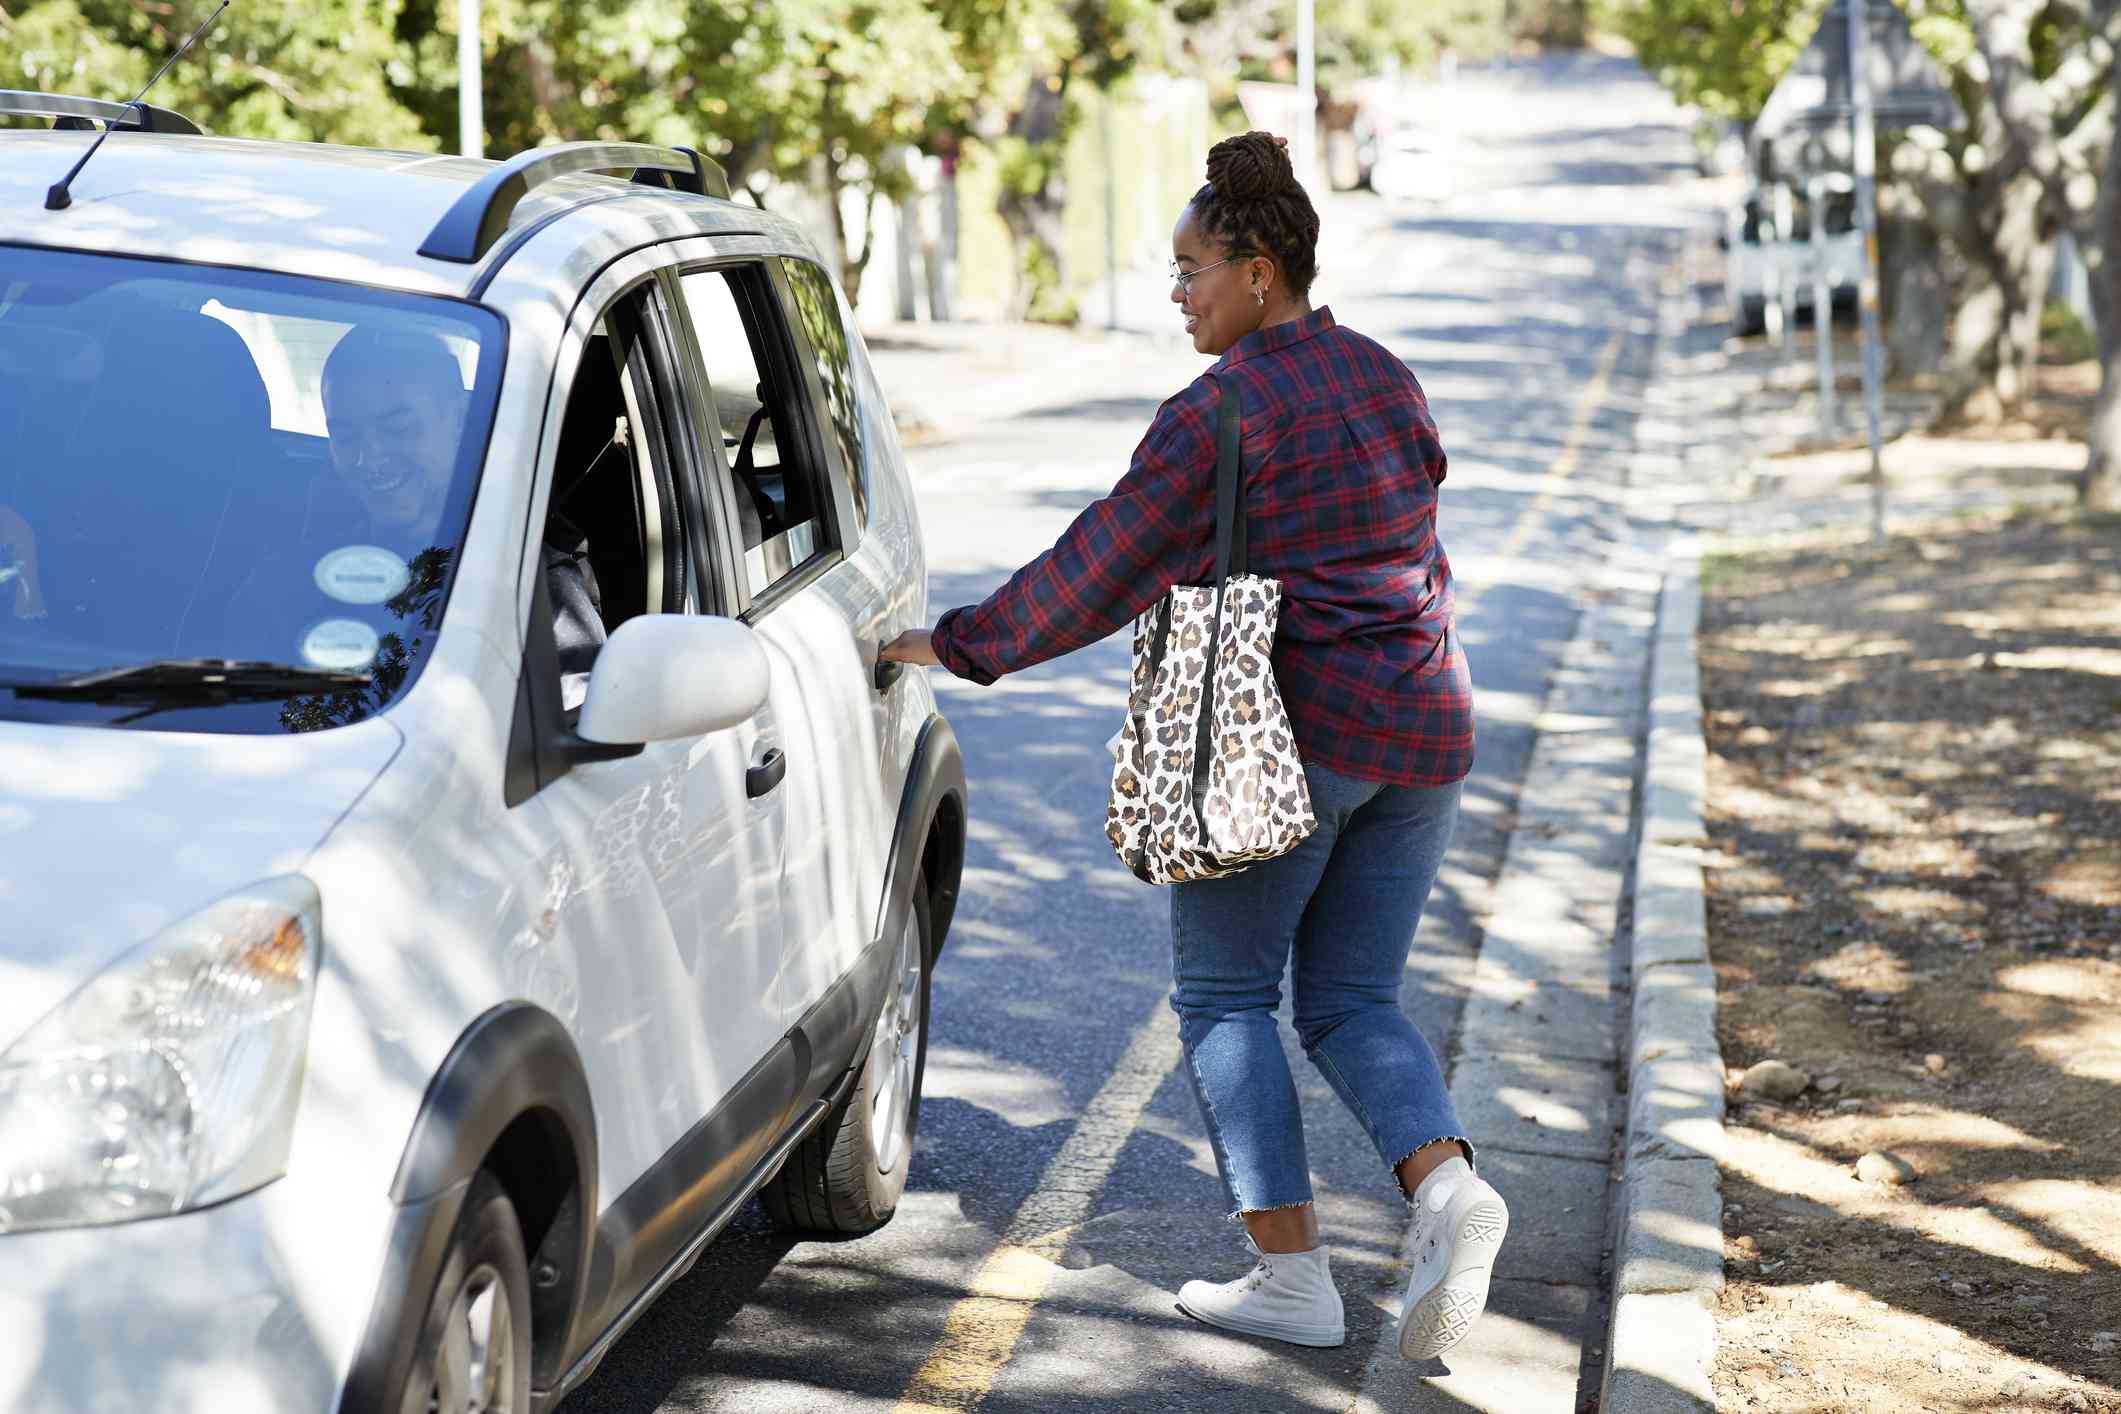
<point>1062,1186</point>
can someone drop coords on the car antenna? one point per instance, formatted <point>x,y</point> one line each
<point>57,197</point>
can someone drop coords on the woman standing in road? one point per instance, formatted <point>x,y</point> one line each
<point>1343,465</point>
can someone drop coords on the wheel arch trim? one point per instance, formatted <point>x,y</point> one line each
<point>934,792</point>
<point>515,1061</point>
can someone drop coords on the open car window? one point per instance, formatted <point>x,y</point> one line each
<point>779,491</point>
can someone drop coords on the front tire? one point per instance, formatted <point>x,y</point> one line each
<point>473,1355</point>
<point>847,1177</point>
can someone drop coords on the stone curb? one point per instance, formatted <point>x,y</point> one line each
<point>1668,1254</point>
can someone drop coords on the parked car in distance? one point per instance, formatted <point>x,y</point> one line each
<point>1758,265</point>
<point>458,841</point>
<point>1410,165</point>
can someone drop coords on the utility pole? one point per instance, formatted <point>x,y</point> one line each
<point>471,117</point>
<point>1817,197</point>
<point>1305,153</point>
<point>1104,143</point>
<point>1785,268</point>
<point>1866,154</point>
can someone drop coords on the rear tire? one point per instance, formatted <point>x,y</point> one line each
<point>846,1178</point>
<point>473,1355</point>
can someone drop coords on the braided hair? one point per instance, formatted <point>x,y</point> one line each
<point>1254,205</point>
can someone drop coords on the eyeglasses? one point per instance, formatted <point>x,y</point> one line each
<point>1184,278</point>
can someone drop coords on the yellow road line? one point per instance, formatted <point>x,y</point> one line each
<point>1587,410</point>
<point>981,1333</point>
<point>983,1329</point>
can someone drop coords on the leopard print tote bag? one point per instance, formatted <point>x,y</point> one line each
<point>1205,774</point>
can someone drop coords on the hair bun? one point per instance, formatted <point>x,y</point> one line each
<point>1252,167</point>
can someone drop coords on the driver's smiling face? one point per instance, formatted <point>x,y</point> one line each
<point>394,440</point>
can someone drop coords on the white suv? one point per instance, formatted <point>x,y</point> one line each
<point>1759,267</point>
<point>457,842</point>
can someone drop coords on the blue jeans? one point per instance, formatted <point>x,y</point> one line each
<point>1348,898</point>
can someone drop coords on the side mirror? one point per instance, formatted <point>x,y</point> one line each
<point>664,676</point>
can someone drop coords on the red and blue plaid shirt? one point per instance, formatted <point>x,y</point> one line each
<point>1342,465</point>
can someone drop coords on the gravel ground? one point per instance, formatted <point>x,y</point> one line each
<point>1914,892</point>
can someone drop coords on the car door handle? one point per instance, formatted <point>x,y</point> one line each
<point>767,774</point>
<point>888,670</point>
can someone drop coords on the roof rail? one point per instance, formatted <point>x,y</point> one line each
<point>479,217</point>
<point>73,112</point>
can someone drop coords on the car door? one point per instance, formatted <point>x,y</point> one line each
<point>662,872</point>
<point>792,527</point>
<point>878,588</point>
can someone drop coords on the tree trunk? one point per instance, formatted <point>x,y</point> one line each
<point>851,265</point>
<point>2007,258</point>
<point>1915,297</point>
<point>940,252</point>
<point>912,239</point>
<point>540,70</point>
<point>1037,235</point>
<point>2099,487</point>
<point>1033,204</point>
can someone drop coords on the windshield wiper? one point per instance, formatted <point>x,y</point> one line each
<point>193,679</point>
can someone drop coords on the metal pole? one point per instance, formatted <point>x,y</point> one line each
<point>471,118</point>
<point>1822,306</point>
<point>1104,135</point>
<point>1867,221</point>
<point>1786,265</point>
<point>1305,153</point>
<point>1773,234</point>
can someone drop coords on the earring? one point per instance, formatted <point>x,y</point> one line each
<point>1259,296</point>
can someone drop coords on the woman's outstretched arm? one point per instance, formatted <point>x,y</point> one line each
<point>1149,532</point>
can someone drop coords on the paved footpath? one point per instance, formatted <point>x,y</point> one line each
<point>1062,1187</point>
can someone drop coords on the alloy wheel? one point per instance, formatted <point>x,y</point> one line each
<point>894,1052</point>
<point>474,1364</point>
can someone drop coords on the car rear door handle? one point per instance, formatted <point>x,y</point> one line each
<point>767,774</point>
<point>888,670</point>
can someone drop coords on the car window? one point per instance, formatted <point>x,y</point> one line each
<point>817,313</point>
<point>203,463</point>
<point>776,486</point>
<point>613,545</point>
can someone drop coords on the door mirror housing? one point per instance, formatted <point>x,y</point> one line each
<point>664,676</point>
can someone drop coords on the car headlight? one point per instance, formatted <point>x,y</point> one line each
<point>170,1080</point>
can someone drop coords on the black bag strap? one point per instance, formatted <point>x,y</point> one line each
<point>1230,558</point>
<point>1230,550</point>
<point>1230,537</point>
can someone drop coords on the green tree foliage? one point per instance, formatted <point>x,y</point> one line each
<point>1355,39</point>
<point>829,93</point>
<point>818,91</point>
<point>1358,39</point>
<point>2035,81</point>
<point>1719,56</point>
<point>1030,116</point>
<point>318,71</point>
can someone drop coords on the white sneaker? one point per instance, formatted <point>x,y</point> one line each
<point>1286,1296</point>
<point>1459,1222</point>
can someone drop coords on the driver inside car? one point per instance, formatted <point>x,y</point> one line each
<point>394,410</point>
<point>394,406</point>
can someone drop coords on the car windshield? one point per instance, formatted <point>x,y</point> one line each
<point>201,463</point>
